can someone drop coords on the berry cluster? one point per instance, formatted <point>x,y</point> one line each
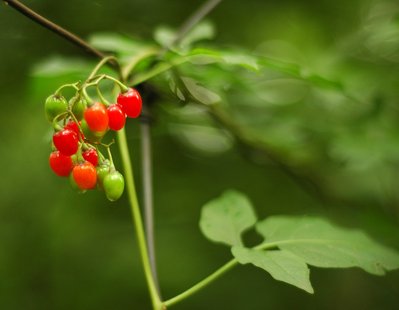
<point>79,127</point>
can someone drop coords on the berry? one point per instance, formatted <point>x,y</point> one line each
<point>78,107</point>
<point>91,156</point>
<point>131,102</point>
<point>74,185</point>
<point>85,175</point>
<point>97,117</point>
<point>102,172</point>
<point>61,164</point>
<point>66,141</point>
<point>116,117</point>
<point>74,127</point>
<point>92,136</point>
<point>114,185</point>
<point>54,106</point>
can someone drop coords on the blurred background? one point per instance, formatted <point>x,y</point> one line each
<point>62,250</point>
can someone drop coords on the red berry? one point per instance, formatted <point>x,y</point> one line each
<point>91,156</point>
<point>97,117</point>
<point>74,127</point>
<point>61,164</point>
<point>66,141</point>
<point>85,175</point>
<point>116,117</point>
<point>131,102</point>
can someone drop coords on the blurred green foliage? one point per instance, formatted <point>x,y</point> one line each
<point>315,81</point>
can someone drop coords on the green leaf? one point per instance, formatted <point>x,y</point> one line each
<point>229,57</point>
<point>282,90</point>
<point>115,42</point>
<point>57,66</point>
<point>165,35</point>
<point>203,31</point>
<point>225,218</point>
<point>199,92</point>
<point>322,244</point>
<point>282,265</point>
<point>244,60</point>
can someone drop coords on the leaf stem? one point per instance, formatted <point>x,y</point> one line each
<point>137,220</point>
<point>200,285</point>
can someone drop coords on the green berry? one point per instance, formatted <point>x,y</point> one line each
<point>54,106</point>
<point>78,107</point>
<point>114,185</point>
<point>102,171</point>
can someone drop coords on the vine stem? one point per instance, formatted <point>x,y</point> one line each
<point>148,201</point>
<point>137,220</point>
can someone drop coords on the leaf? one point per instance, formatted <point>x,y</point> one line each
<point>322,244</point>
<point>282,265</point>
<point>244,60</point>
<point>205,139</point>
<point>165,35</point>
<point>225,218</point>
<point>199,92</point>
<point>203,31</point>
<point>56,66</point>
<point>229,57</point>
<point>118,43</point>
<point>282,91</point>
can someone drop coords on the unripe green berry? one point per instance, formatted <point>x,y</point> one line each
<point>78,107</point>
<point>114,185</point>
<point>54,106</point>
<point>102,171</point>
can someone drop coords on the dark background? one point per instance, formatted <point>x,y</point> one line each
<point>61,250</point>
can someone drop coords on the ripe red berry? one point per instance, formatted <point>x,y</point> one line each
<point>97,117</point>
<point>74,127</point>
<point>131,102</point>
<point>117,117</point>
<point>66,141</point>
<point>85,175</point>
<point>91,156</point>
<point>61,164</point>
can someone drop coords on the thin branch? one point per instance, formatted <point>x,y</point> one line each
<point>145,137</point>
<point>146,166</point>
<point>23,9</point>
<point>194,19</point>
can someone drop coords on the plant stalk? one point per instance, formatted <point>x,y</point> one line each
<point>137,220</point>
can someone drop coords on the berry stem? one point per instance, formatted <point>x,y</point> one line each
<point>110,157</point>
<point>137,219</point>
<point>122,86</point>
<point>100,64</point>
<point>74,85</point>
<point>102,98</point>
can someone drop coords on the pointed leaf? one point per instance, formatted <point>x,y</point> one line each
<point>225,218</point>
<point>282,265</point>
<point>118,43</point>
<point>204,30</point>
<point>322,244</point>
<point>199,92</point>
